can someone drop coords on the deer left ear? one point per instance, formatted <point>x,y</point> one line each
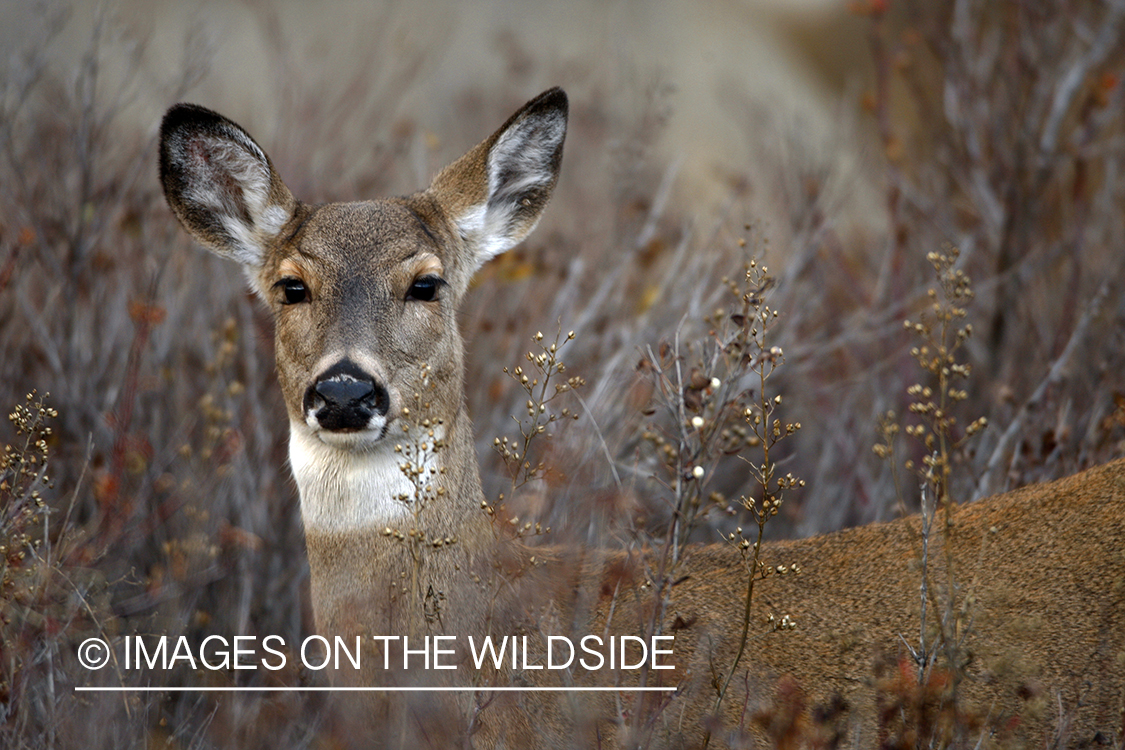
<point>496,193</point>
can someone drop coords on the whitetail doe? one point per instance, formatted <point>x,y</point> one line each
<point>365,296</point>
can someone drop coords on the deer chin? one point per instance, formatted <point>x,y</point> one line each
<point>370,437</point>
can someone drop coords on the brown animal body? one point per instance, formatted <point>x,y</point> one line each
<point>1040,602</point>
<point>370,361</point>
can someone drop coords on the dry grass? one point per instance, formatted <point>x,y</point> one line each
<point>998,130</point>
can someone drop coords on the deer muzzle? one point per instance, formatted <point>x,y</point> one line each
<point>346,399</point>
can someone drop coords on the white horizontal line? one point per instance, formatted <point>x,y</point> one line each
<point>505,689</point>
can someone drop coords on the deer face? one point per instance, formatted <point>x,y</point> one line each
<point>361,299</point>
<point>364,295</point>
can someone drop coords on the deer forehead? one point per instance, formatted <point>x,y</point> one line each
<point>373,240</point>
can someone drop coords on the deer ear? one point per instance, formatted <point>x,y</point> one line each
<point>496,193</point>
<point>221,185</point>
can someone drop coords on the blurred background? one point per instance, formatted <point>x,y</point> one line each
<point>839,143</point>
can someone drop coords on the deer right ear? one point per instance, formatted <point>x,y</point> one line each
<point>221,185</point>
<point>496,193</point>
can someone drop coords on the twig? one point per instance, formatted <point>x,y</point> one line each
<point>601,438</point>
<point>988,481</point>
<point>1071,82</point>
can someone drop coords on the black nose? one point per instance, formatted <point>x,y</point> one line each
<point>343,393</point>
<point>343,402</point>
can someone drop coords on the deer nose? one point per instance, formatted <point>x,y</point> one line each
<point>345,392</point>
<point>342,402</point>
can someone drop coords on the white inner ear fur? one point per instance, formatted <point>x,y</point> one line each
<point>238,160</point>
<point>519,161</point>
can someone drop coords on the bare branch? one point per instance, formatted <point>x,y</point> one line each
<point>989,483</point>
<point>1106,41</point>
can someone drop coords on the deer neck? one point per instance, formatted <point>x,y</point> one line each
<point>350,499</point>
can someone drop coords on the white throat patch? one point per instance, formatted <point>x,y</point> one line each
<point>348,490</point>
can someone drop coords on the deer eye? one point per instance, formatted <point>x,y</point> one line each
<point>294,290</point>
<point>425,288</point>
